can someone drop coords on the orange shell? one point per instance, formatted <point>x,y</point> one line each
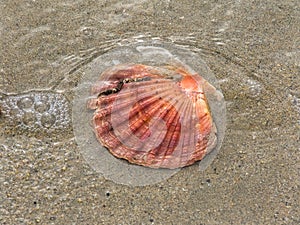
<point>157,117</point>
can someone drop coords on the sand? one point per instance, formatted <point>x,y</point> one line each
<point>252,47</point>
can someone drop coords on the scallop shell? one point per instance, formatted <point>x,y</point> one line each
<point>154,116</point>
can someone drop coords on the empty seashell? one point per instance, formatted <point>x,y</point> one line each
<point>154,116</point>
<point>156,112</point>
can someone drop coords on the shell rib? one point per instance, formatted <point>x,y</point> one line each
<point>157,117</point>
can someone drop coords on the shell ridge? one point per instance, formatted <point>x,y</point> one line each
<point>131,140</point>
<point>204,124</point>
<point>178,105</point>
<point>164,115</point>
<point>186,134</point>
<point>193,136</point>
<point>194,157</point>
<point>122,108</point>
<point>128,95</point>
<point>144,115</point>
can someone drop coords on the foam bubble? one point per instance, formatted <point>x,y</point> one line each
<point>36,111</point>
<point>254,88</point>
<point>41,106</point>
<point>25,103</point>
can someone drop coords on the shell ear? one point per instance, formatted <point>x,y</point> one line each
<point>92,104</point>
<point>211,91</point>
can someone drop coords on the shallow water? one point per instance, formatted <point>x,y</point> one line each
<point>158,54</point>
<point>251,47</point>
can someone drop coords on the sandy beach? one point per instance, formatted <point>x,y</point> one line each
<point>251,47</point>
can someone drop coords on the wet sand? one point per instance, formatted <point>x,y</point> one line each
<point>251,47</point>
